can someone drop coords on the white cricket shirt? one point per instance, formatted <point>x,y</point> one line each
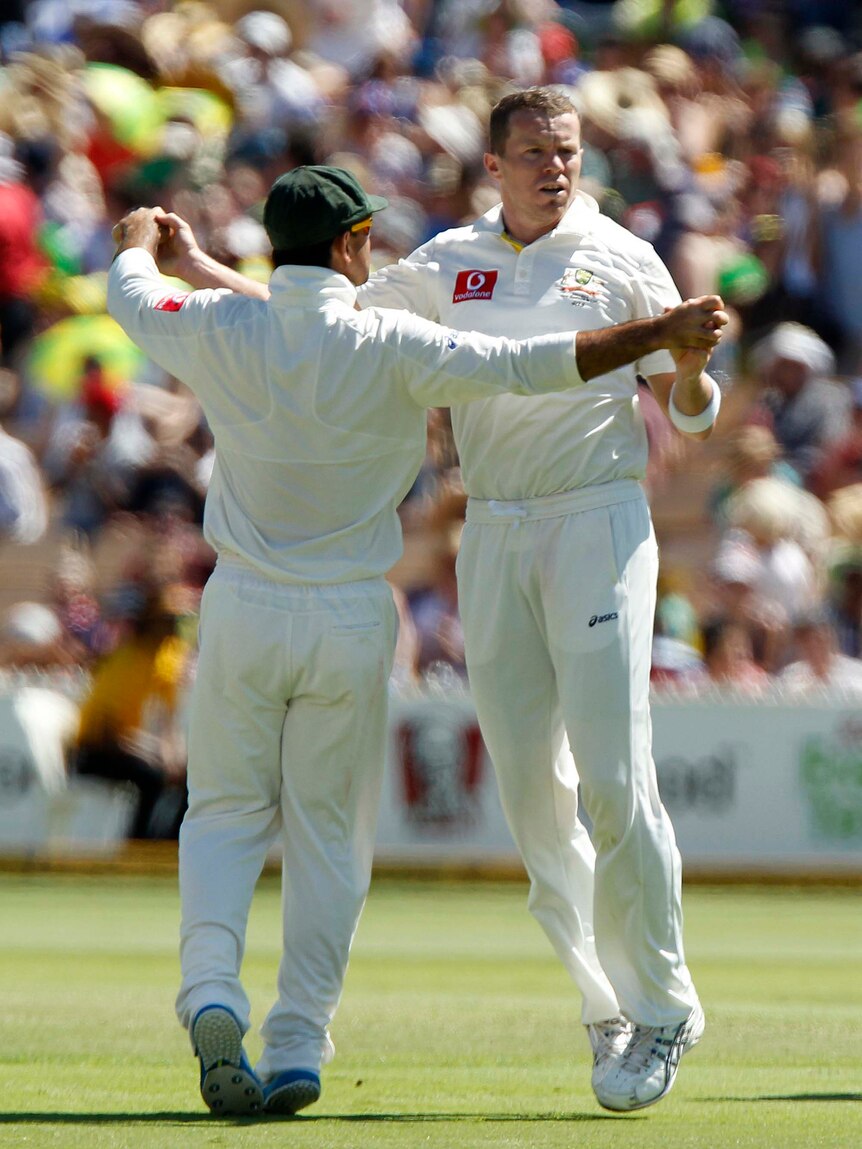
<point>588,273</point>
<point>317,410</point>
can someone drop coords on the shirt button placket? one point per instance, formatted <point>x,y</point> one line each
<point>523,273</point>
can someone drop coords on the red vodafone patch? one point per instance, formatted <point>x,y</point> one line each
<point>474,285</point>
<point>172,302</point>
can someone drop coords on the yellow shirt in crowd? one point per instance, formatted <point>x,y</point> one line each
<point>126,682</point>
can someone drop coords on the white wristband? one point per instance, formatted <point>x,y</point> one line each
<point>694,423</point>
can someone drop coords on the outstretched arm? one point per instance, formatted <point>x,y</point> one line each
<point>693,325</point>
<point>442,367</point>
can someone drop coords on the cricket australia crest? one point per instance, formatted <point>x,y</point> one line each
<point>579,285</point>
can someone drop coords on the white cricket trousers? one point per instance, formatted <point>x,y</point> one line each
<point>557,597</point>
<point>287,742</point>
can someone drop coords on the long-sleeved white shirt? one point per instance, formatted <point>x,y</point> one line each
<point>317,410</point>
<point>587,273</point>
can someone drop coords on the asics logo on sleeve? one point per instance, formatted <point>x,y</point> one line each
<point>171,302</point>
<point>597,618</point>
<point>474,285</point>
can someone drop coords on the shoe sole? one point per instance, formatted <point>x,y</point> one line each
<point>685,1041</point>
<point>289,1099</point>
<point>230,1091</point>
<point>227,1087</point>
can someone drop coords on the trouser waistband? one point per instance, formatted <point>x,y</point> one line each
<point>551,506</point>
<point>236,568</point>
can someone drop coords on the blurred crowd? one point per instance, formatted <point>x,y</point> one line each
<point>729,135</point>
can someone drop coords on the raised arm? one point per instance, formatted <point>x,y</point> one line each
<point>171,242</point>
<point>180,255</point>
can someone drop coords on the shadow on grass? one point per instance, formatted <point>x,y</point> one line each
<point>791,1097</point>
<point>355,1118</point>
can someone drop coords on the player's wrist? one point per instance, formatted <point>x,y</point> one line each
<point>694,422</point>
<point>195,267</point>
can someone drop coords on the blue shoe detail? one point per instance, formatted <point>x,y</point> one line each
<point>229,1085</point>
<point>290,1091</point>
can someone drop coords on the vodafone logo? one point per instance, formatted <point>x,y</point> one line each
<point>474,285</point>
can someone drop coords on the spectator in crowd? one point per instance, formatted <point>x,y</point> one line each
<point>274,94</point>
<point>729,657</point>
<point>73,599</point>
<point>32,639</point>
<point>39,695</point>
<point>405,665</point>
<point>806,410</point>
<point>744,580</point>
<point>167,485</point>
<point>844,508</point>
<point>22,264</point>
<point>734,575</point>
<point>845,567</point>
<point>750,452</point>
<point>768,561</point>
<point>434,609</point>
<point>677,643</point>
<point>845,600</point>
<point>818,663</point>
<point>841,246</point>
<point>23,504</point>
<point>841,465</point>
<point>798,208</point>
<point>97,447</point>
<point>675,663</point>
<point>130,729</point>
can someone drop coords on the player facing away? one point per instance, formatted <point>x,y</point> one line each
<point>318,415</point>
<point>557,583</point>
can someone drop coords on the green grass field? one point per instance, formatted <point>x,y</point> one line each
<point>457,1028</point>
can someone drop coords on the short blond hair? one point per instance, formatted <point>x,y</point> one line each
<point>547,100</point>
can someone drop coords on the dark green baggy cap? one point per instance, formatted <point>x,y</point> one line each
<point>314,203</point>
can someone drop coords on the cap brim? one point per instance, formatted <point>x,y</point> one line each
<point>377,202</point>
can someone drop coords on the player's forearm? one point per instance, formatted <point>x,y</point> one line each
<point>202,271</point>
<point>609,348</point>
<point>694,325</point>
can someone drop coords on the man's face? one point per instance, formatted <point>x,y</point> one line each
<point>537,172</point>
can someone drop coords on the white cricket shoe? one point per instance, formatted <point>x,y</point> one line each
<point>645,1073</point>
<point>609,1040</point>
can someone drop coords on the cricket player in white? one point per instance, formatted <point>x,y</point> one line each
<point>318,413</point>
<point>557,583</point>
